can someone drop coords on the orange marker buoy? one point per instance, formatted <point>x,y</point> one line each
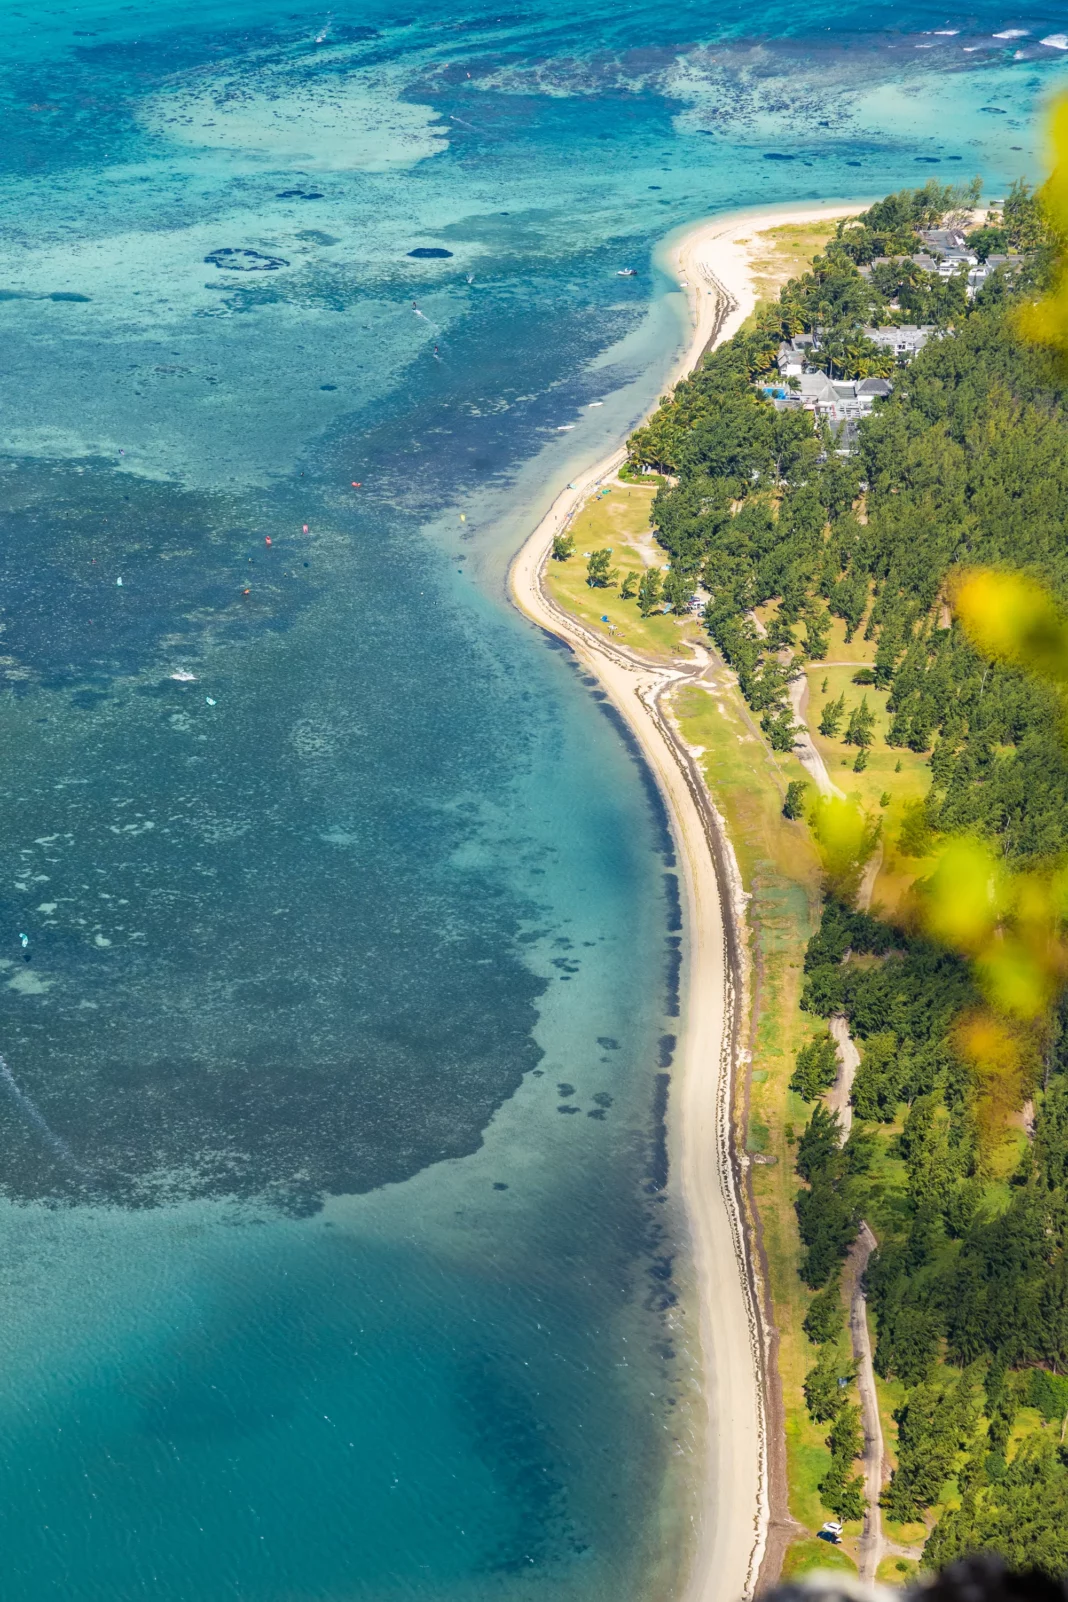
<point>267,540</point>
<point>246,592</point>
<point>356,485</point>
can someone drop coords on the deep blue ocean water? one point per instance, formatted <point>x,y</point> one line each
<point>338,974</point>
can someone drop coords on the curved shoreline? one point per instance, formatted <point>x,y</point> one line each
<point>734,1503</point>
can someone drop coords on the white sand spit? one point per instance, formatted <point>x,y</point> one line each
<point>713,262</point>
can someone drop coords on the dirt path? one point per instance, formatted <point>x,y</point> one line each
<point>872,1546</point>
<point>804,749</point>
<point>868,878</point>
<point>848,1063</point>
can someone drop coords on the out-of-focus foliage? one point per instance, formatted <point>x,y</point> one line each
<point>845,837</point>
<point>1046,320</point>
<point>1011,619</point>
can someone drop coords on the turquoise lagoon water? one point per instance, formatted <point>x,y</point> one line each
<point>338,1251</point>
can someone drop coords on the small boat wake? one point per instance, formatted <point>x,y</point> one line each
<point>33,1115</point>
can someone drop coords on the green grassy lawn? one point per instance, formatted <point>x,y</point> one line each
<point>897,1571</point>
<point>806,1557</point>
<point>619,521</point>
<point>905,775</point>
<point>783,253</point>
<point>780,872</point>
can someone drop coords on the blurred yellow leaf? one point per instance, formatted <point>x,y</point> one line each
<point>1014,977</point>
<point>1045,322</point>
<point>1001,1057</point>
<point>1055,192</point>
<point>845,837</point>
<point>964,897</point>
<point>989,1043</point>
<point>1012,619</point>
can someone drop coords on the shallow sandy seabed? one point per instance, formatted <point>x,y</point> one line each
<point>715,263</point>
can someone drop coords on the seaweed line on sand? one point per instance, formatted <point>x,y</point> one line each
<point>647,683</point>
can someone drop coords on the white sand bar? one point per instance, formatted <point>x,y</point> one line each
<point>714,261</point>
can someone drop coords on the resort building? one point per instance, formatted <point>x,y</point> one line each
<point>835,401</point>
<point>906,340</point>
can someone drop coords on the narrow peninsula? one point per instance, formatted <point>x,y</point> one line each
<point>763,581</point>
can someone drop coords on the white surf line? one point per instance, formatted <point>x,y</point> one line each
<point>734,1507</point>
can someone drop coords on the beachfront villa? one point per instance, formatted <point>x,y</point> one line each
<point>793,355</point>
<point>947,254</point>
<point>978,275</point>
<point>906,340</point>
<point>838,401</point>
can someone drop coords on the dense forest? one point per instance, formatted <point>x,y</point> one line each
<point>966,462</point>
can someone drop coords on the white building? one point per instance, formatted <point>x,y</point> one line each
<point>905,341</point>
<point>837,400</point>
<point>793,355</point>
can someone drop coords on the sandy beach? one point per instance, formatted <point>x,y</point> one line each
<point>714,262</point>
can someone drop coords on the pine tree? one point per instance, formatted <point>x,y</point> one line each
<point>599,573</point>
<point>778,724</point>
<point>649,591</point>
<point>831,717</point>
<point>817,632</point>
<point>840,1490</point>
<point>794,804</point>
<point>826,1384</point>
<point>816,1068</point>
<point>861,724</point>
<point>825,1319</point>
<point>678,592</point>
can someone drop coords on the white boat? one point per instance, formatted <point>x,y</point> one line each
<point>627,272</point>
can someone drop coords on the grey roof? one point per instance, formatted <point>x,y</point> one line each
<point>874,386</point>
<point>903,337</point>
<point>942,238</point>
